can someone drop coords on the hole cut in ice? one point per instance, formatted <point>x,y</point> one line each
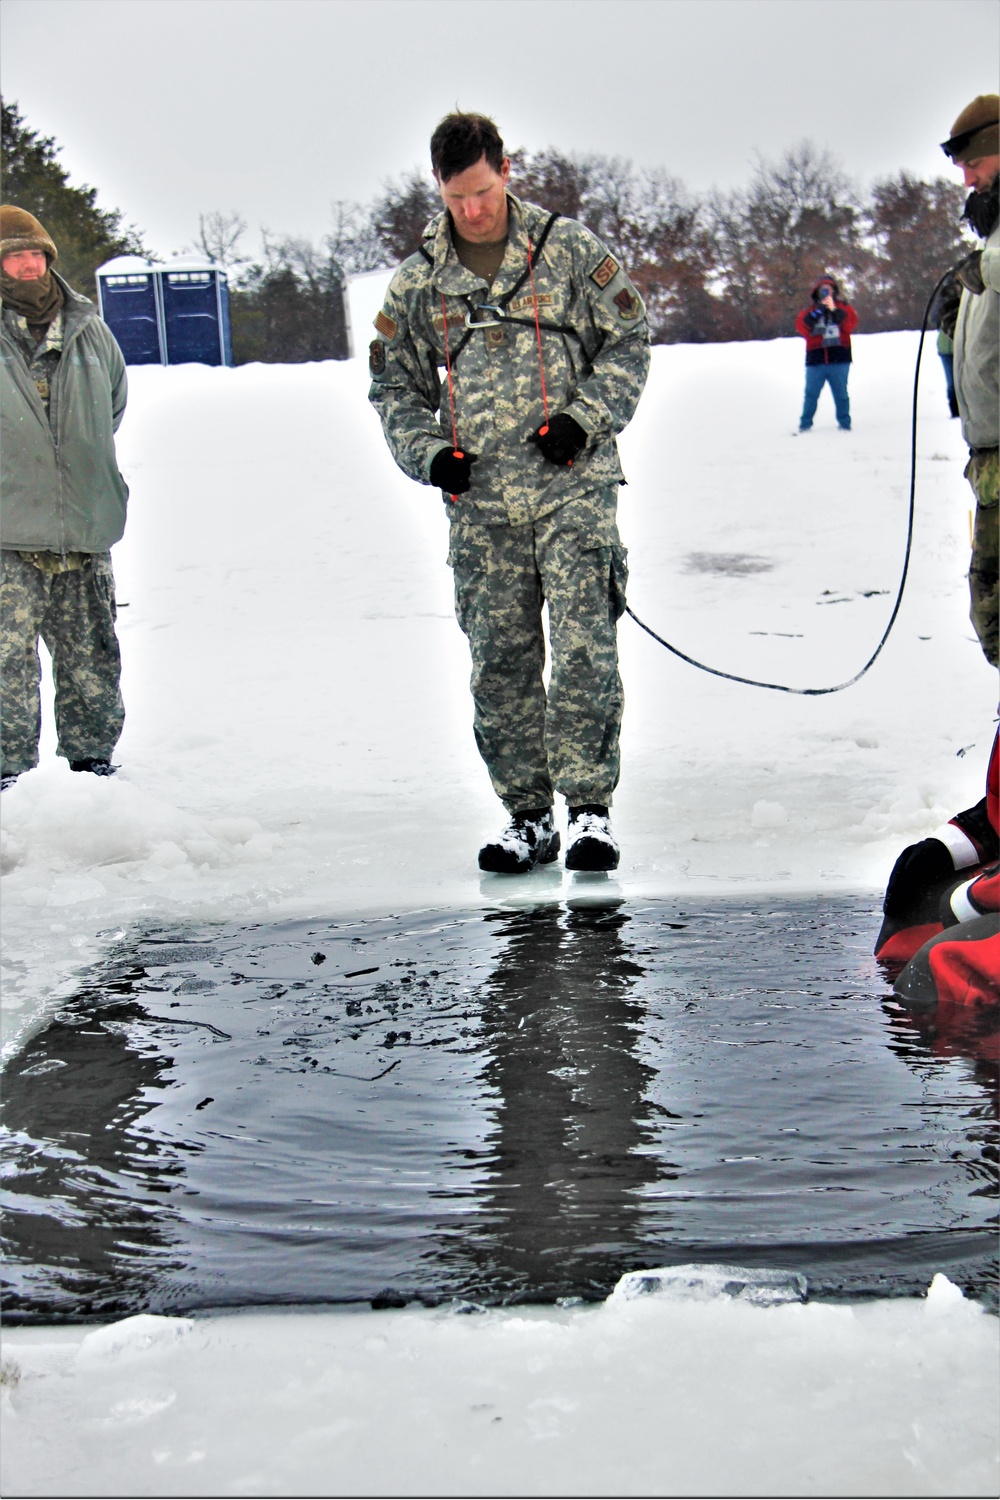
<point>498,1106</point>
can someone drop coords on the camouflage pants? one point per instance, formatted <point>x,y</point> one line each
<point>566,739</point>
<point>74,613</point>
<point>983,474</point>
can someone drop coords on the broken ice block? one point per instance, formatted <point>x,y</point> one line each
<point>763,1287</point>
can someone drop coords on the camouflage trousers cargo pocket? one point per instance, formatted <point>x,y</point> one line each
<point>983,474</point>
<point>536,742</point>
<point>74,613</point>
<point>618,580</point>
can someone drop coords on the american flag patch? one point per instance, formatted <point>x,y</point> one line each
<point>385,324</point>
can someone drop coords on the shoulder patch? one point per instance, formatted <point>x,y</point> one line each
<point>605,271</point>
<point>627,305</point>
<point>385,324</point>
<point>376,357</point>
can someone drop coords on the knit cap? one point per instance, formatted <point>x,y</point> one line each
<point>976,132</point>
<point>20,230</point>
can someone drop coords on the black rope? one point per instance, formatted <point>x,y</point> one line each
<point>779,687</point>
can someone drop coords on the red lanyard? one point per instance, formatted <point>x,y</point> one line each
<point>451,387</point>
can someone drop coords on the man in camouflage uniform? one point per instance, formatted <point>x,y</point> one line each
<point>974,147</point>
<point>62,396</point>
<point>511,350</point>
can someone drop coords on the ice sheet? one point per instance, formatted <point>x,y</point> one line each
<point>654,1396</point>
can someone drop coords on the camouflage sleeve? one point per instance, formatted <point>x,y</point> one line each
<point>606,401</point>
<point>406,388</point>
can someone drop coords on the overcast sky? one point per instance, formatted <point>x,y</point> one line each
<point>276,108</point>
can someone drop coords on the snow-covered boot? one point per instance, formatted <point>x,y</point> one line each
<point>9,777</point>
<point>529,839</point>
<point>590,844</point>
<point>96,767</point>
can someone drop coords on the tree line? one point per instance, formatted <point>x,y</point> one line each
<point>710,267</point>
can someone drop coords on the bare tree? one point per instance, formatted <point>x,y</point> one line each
<point>354,242</point>
<point>915,233</point>
<point>800,217</point>
<point>401,214</point>
<point>219,235</point>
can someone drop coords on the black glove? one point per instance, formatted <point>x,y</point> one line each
<point>560,440</point>
<point>970,272</point>
<point>451,471</point>
<point>919,876</point>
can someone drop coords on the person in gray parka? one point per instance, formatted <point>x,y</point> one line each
<point>62,396</point>
<point>974,147</point>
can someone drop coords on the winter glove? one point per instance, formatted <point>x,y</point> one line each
<point>451,471</point>
<point>970,273</point>
<point>559,440</point>
<point>915,886</point>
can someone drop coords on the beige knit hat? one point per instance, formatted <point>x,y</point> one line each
<point>20,230</point>
<point>976,132</point>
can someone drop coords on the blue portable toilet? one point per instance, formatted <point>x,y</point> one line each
<point>129,302</point>
<point>194,295</point>
<point>170,314</point>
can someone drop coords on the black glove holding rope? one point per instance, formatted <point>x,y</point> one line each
<point>559,440</point>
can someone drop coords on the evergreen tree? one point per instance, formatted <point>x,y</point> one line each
<point>32,178</point>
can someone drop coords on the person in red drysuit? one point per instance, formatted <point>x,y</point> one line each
<point>942,909</point>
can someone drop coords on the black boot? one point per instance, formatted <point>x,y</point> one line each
<point>529,839</point>
<point>590,844</point>
<point>96,767</point>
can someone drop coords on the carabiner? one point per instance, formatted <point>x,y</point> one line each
<point>471,321</point>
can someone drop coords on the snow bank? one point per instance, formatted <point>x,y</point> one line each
<point>299,736</point>
<point>655,1396</point>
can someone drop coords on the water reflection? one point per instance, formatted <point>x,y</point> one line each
<point>74,1159</point>
<point>570,1147</point>
<point>922,1039</point>
<point>969,1031</point>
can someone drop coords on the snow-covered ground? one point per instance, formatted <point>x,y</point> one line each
<point>299,743</point>
<point>649,1397</point>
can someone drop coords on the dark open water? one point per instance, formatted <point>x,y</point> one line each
<point>497,1106</point>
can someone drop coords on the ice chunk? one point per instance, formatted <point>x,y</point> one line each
<point>768,815</point>
<point>943,1294</point>
<point>132,1336</point>
<point>763,1287</point>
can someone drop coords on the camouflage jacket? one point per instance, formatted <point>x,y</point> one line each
<point>595,342</point>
